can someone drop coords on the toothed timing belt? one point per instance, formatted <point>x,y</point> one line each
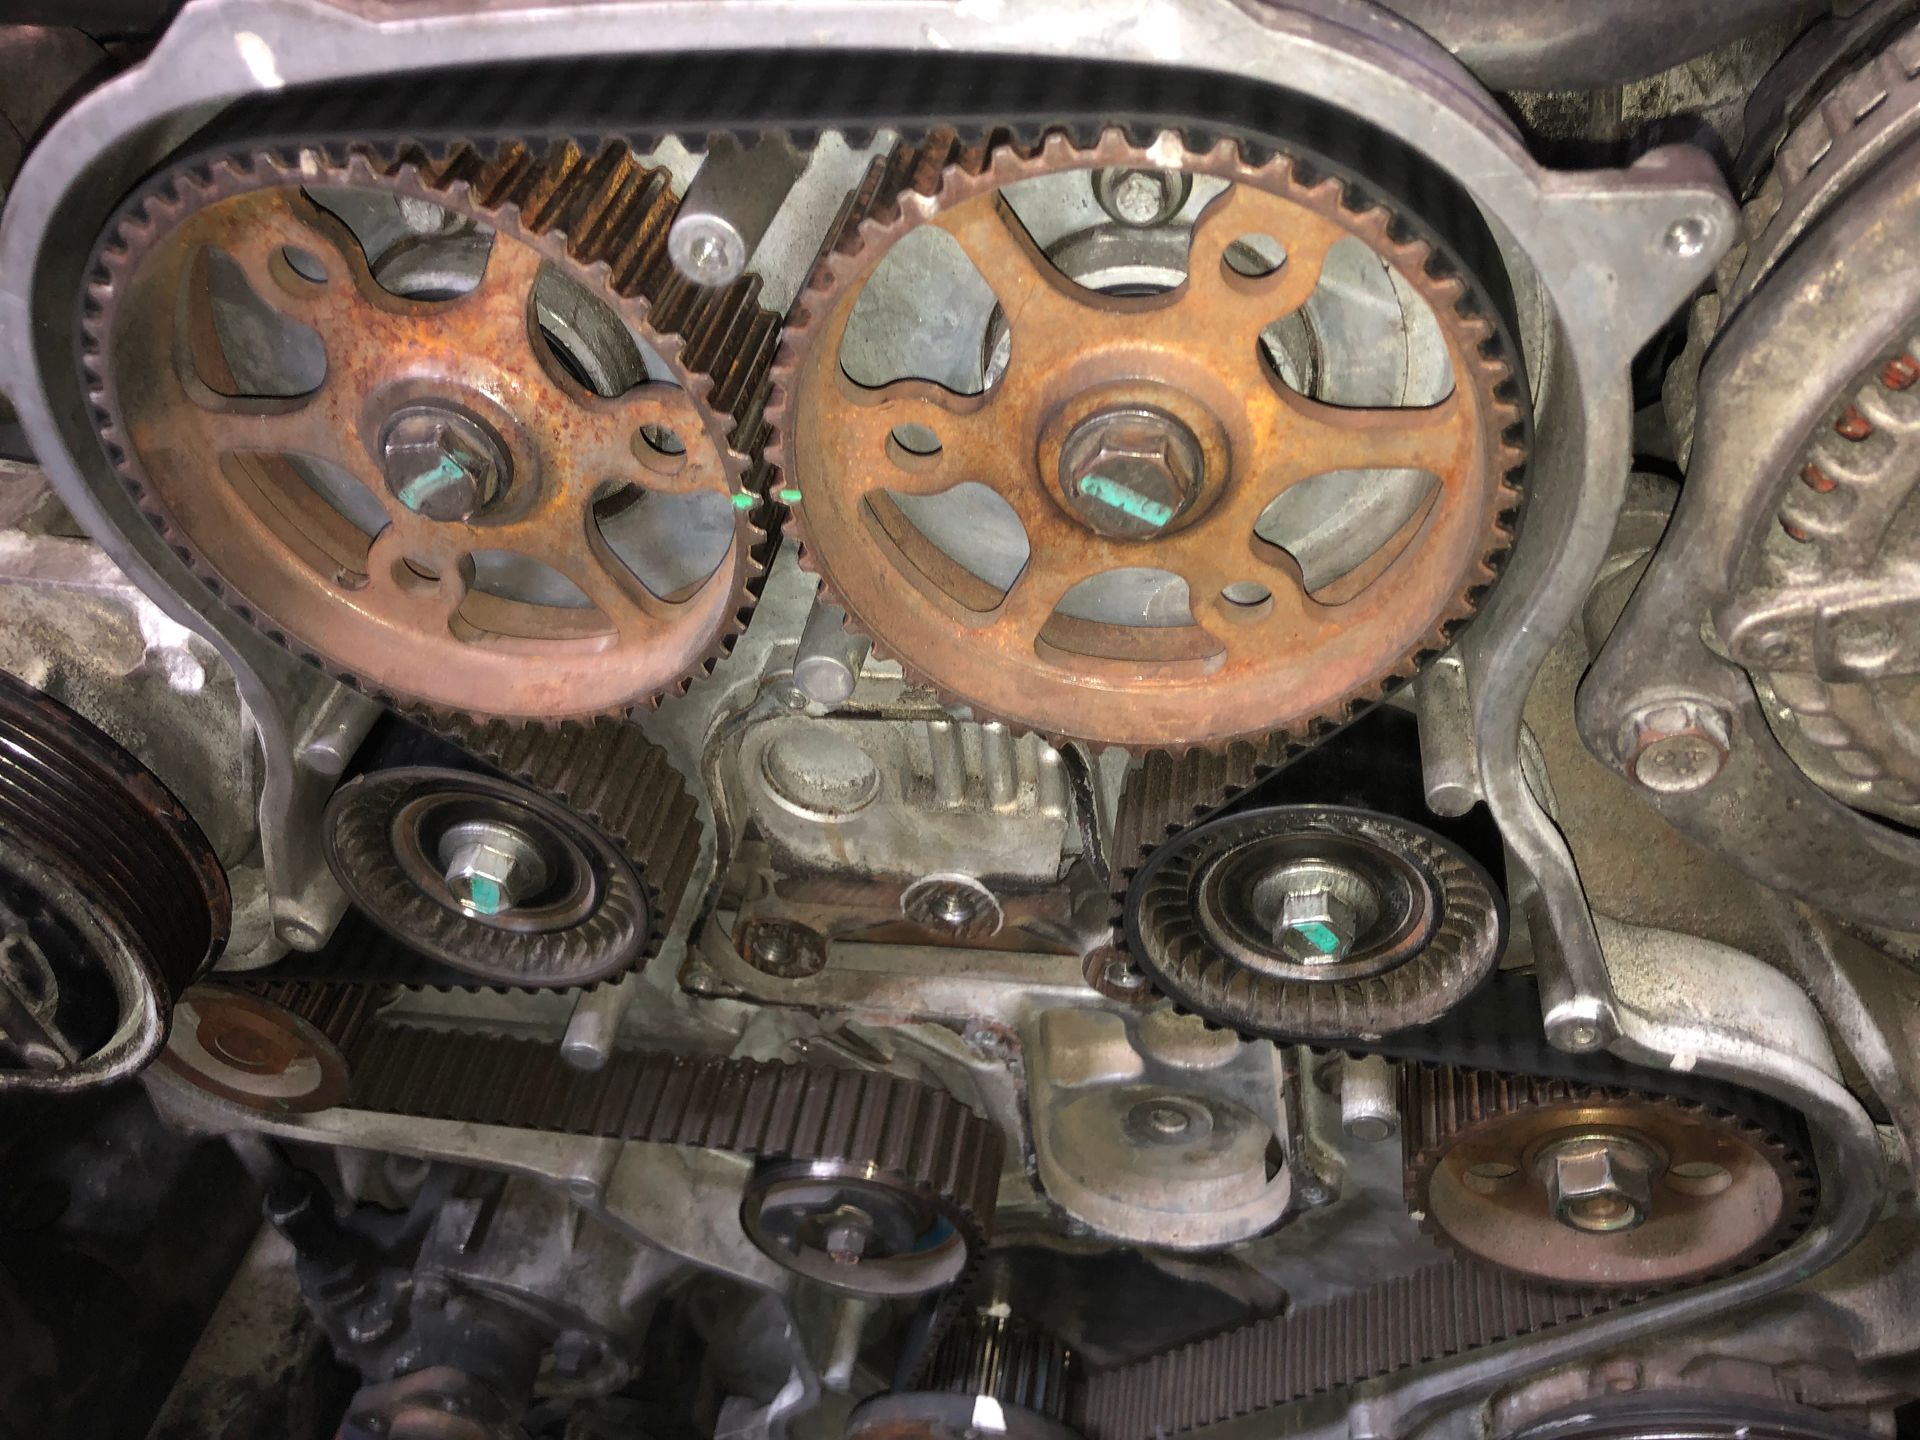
<point>1442,1310</point>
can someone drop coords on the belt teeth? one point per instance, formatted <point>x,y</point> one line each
<point>1434,1312</point>
<point>910,1135</point>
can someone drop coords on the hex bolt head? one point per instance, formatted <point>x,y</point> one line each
<point>1142,198</point>
<point>848,1235</point>
<point>574,1355</point>
<point>1598,1184</point>
<point>1316,926</point>
<point>1675,747</point>
<point>491,868</point>
<point>1128,473</point>
<point>440,462</point>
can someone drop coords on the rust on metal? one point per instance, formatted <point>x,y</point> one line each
<point>1724,1193</point>
<point>1220,440</point>
<point>529,450</point>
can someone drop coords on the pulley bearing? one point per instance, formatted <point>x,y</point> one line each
<point>1314,922</point>
<point>487,876</point>
<point>1154,434</point>
<point>835,1223</point>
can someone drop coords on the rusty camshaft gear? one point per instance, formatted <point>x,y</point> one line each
<point>1594,1186</point>
<point>429,517</point>
<point>1129,431</point>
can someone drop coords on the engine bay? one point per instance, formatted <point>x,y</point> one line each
<point>762,719</point>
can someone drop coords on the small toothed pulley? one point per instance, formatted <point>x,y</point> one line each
<point>1314,922</point>
<point>1154,423</point>
<point>487,876</point>
<point>450,424</point>
<point>1587,1185</point>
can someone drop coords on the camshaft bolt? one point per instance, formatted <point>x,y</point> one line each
<point>1598,1184</point>
<point>440,462</point>
<point>1128,473</point>
<point>491,867</point>
<point>1142,198</point>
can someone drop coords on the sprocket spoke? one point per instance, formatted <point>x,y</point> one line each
<point>651,437</point>
<point>1031,291</point>
<point>1302,438</point>
<point>273,250</point>
<point>417,575</point>
<point>886,428</point>
<point>1243,305</point>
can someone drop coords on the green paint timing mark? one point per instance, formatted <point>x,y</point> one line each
<point>743,502</point>
<point>1319,936</point>
<point>414,493</point>
<point>483,895</point>
<point>789,497</point>
<point>1125,498</point>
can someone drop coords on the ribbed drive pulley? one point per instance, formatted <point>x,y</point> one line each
<point>111,901</point>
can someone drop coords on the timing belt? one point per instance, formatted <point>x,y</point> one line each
<point>766,1110</point>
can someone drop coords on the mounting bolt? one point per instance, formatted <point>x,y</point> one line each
<point>1598,1184</point>
<point>574,1355</point>
<point>1128,473</point>
<point>440,462</point>
<point>957,904</point>
<point>848,1235</point>
<point>491,867</point>
<point>1675,747</point>
<point>1142,198</point>
<point>1316,926</point>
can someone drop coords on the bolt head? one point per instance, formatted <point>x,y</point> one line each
<point>848,1236</point>
<point>1316,927</point>
<point>1676,747</point>
<point>440,462</point>
<point>706,249</point>
<point>1140,198</point>
<point>1128,474</point>
<point>491,868</point>
<point>1599,1185</point>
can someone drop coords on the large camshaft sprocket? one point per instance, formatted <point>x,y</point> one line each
<point>429,459</point>
<point>1221,436</point>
